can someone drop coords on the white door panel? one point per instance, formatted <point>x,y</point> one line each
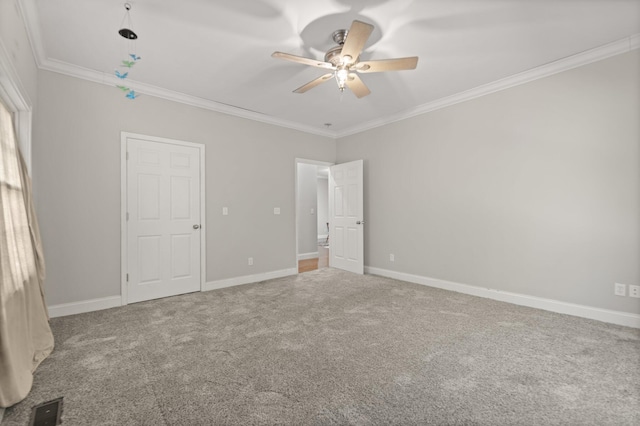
<point>163,205</point>
<point>346,216</point>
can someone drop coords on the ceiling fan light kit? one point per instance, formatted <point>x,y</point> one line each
<point>344,61</point>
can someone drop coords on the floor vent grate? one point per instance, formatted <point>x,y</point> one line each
<point>47,413</point>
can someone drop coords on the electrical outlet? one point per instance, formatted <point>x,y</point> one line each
<point>250,261</point>
<point>634,290</point>
<point>392,257</point>
<point>620,289</point>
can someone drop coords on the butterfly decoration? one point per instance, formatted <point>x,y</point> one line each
<point>127,63</point>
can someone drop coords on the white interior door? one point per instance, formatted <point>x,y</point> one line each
<point>346,217</point>
<point>163,219</point>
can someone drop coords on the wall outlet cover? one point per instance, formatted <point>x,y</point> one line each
<point>620,289</point>
<point>634,290</point>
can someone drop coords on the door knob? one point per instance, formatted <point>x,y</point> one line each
<point>196,226</point>
<point>360,222</point>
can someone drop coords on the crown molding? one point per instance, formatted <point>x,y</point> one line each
<point>593,55</point>
<point>159,92</point>
<point>32,25</point>
<point>30,15</point>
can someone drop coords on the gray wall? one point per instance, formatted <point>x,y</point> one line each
<point>307,201</point>
<point>533,190</point>
<point>250,168</point>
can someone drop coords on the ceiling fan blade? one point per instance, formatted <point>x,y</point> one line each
<point>314,83</point>
<point>356,38</point>
<point>357,86</point>
<point>397,64</point>
<point>302,60</point>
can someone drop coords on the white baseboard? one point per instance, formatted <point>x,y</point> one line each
<point>115,301</point>
<point>248,279</point>
<point>605,315</point>
<point>305,256</point>
<point>84,306</point>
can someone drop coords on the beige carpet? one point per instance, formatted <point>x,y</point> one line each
<point>328,347</point>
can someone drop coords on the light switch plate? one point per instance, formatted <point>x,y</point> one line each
<point>225,211</point>
<point>276,210</point>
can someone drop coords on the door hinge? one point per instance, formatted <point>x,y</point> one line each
<point>127,215</point>
<point>127,277</point>
<point>127,155</point>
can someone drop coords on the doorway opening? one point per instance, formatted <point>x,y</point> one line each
<point>312,215</point>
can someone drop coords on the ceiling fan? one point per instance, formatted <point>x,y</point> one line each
<point>343,61</point>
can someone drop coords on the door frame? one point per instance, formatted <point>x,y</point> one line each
<point>124,267</point>
<point>295,194</point>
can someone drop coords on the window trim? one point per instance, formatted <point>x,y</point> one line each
<point>14,96</point>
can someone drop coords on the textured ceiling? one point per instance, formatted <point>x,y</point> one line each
<point>218,52</point>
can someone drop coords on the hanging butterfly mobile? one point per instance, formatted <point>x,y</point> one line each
<point>132,59</point>
<point>129,93</point>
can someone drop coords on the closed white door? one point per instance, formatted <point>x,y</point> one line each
<point>163,219</point>
<point>346,217</point>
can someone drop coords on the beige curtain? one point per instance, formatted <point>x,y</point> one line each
<point>25,336</point>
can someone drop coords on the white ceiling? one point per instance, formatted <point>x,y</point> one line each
<point>217,53</point>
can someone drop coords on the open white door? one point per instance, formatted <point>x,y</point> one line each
<point>346,217</point>
<point>163,232</point>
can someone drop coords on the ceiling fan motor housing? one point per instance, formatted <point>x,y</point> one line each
<point>333,55</point>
